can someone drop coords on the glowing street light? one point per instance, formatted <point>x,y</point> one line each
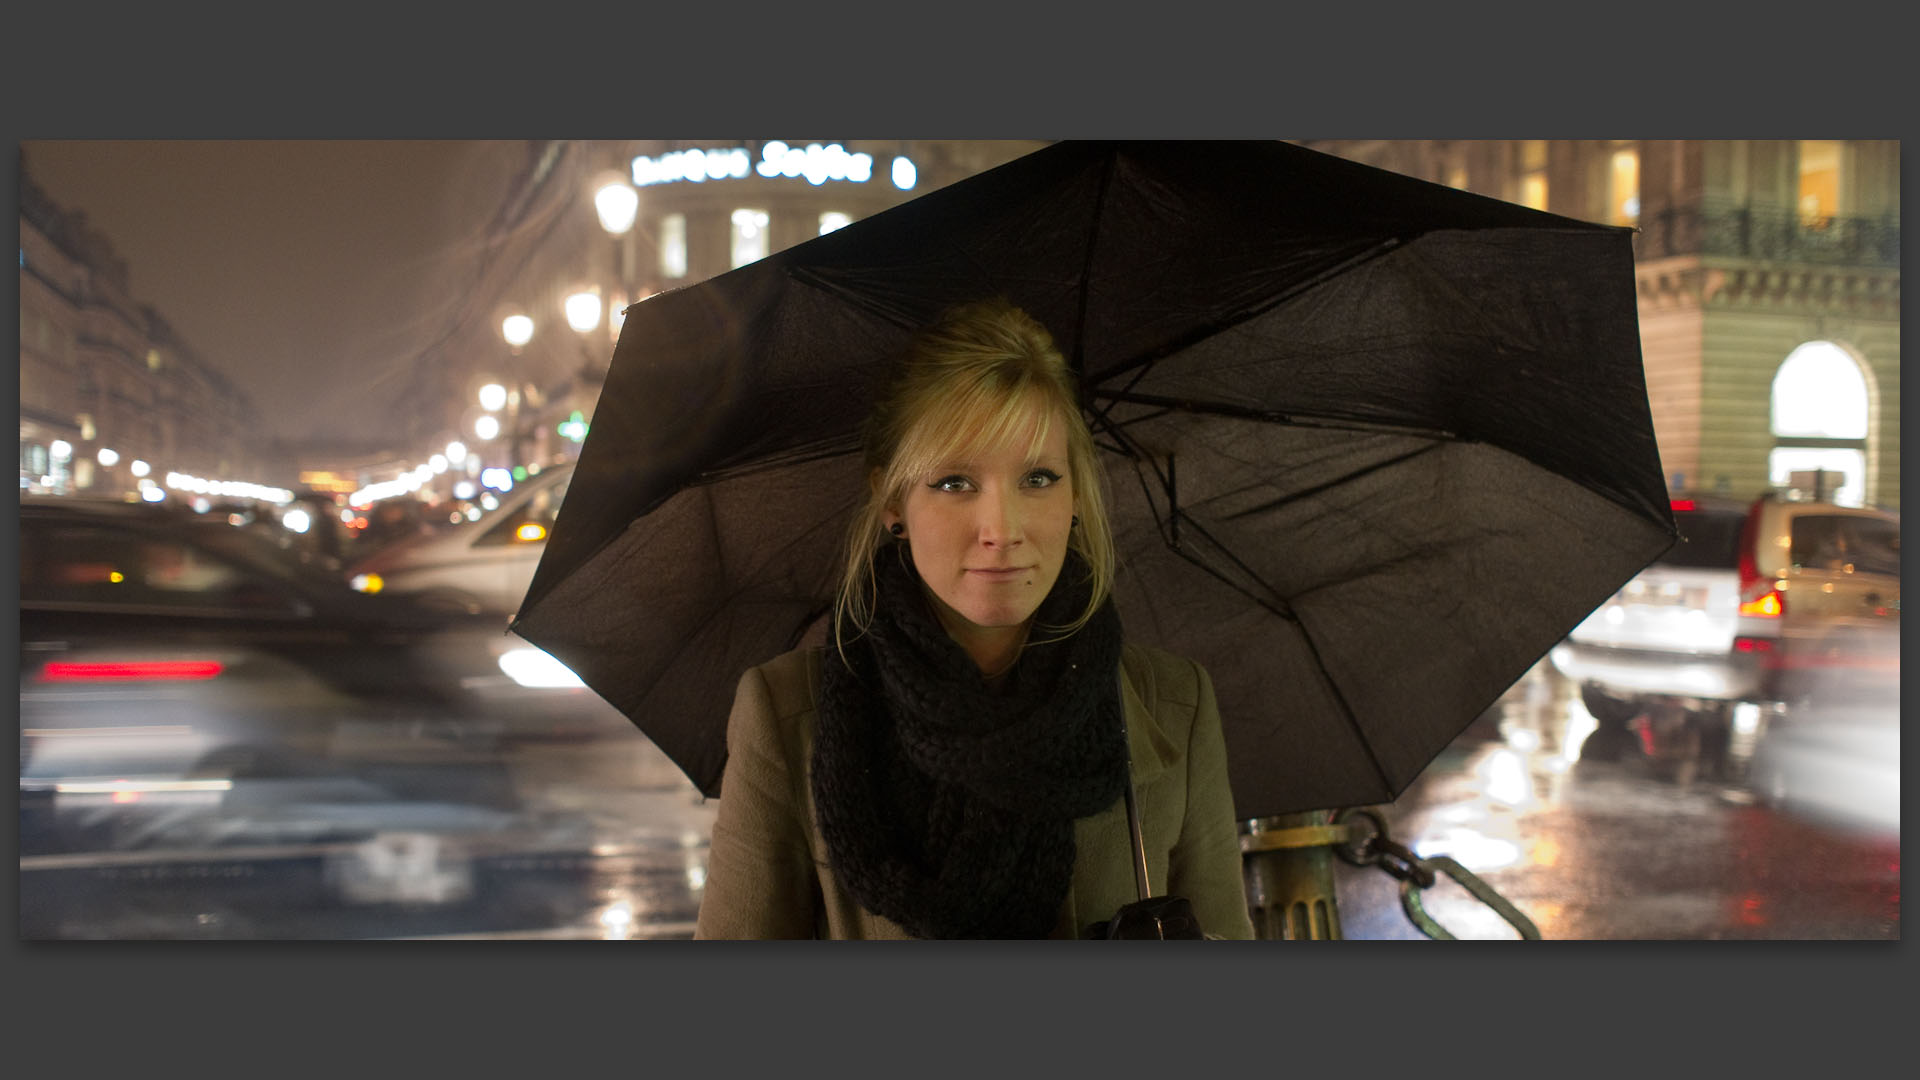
<point>139,468</point>
<point>493,397</point>
<point>487,427</point>
<point>108,457</point>
<point>456,452</point>
<point>517,329</point>
<point>617,203</point>
<point>583,311</point>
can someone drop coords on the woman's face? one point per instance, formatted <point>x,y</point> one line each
<point>988,536</point>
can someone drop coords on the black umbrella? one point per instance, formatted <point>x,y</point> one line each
<point>1375,444</point>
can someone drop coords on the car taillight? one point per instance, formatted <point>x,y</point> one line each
<point>1683,504</point>
<point>1757,594</point>
<point>1752,644</point>
<point>151,670</point>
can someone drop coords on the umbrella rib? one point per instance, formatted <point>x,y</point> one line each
<point>1334,482</point>
<point>1086,265</point>
<point>1201,333</point>
<point>1242,412</point>
<point>1169,525</point>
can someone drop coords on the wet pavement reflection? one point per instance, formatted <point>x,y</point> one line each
<point>1623,847</point>
<point>597,835</point>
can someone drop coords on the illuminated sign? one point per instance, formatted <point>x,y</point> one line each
<point>815,163</point>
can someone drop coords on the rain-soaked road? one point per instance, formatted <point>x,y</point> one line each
<point>603,838</point>
<point>1617,849</point>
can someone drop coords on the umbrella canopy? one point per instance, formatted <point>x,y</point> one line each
<point>1374,444</point>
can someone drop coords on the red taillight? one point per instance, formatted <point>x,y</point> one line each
<point>1684,504</point>
<point>152,670</point>
<point>1751,644</point>
<point>1757,596</point>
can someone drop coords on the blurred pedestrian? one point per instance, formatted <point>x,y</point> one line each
<point>953,762</point>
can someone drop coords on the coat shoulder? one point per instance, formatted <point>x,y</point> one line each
<point>1162,677</point>
<point>791,680</point>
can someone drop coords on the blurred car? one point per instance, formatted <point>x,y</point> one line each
<point>482,565</point>
<point>1771,602</point>
<point>1838,763</point>
<point>165,656</point>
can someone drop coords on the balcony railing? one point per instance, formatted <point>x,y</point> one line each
<point>1773,234</point>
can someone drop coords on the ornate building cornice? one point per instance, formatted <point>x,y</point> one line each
<point>1720,284</point>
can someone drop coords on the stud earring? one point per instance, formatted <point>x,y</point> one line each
<point>897,529</point>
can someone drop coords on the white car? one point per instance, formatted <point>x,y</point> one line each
<point>483,565</point>
<point>1775,602</point>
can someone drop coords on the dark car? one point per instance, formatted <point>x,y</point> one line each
<point>169,659</point>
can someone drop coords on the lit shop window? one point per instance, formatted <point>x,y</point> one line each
<point>832,220</point>
<point>673,245</point>
<point>749,236</point>
<point>1623,187</point>
<point>1531,182</point>
<point>1819,181</point>
<point>1821,408</point>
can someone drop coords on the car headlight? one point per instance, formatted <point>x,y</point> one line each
<point>368,583</point>
<point>535,669</point>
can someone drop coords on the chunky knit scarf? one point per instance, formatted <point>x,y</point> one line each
<point>948,807</point>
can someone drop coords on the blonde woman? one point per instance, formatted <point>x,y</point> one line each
<point>952,763</point>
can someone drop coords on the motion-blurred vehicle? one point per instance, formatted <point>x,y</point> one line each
<point>1775,602</point>
<point>481,565</point>
<point>1839,764</point>
<point>166,657</point>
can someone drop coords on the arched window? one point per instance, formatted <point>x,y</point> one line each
<point>1821,415</point>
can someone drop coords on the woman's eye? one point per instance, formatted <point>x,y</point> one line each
<point>950,483</point>
<point>1040,478</point>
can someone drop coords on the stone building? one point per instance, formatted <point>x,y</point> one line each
<point>108,391</point>
<point>1769,290</point>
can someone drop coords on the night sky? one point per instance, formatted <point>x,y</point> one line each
<point>305,271</point>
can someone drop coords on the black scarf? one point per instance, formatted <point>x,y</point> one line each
<point>947,807</point>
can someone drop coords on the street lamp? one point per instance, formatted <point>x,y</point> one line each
<point>618,206</point>
<point>583,310</point>
<point>517,329</point>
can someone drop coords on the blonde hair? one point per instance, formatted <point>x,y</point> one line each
<point>982,375</point>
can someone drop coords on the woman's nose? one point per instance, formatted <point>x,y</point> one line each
<point>1000,524</point>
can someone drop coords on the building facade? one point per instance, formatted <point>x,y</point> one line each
<point>1768,274</point>
<point>111,400</point>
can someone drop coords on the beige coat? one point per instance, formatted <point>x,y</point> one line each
<point>767,872</point>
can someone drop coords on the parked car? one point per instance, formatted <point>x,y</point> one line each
<point>482,565</point>
<point>166,656</point>
<point>1774,602</point>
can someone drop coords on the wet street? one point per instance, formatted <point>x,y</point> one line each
<point>602,837</point>
<point>597,837</point>
<point>1620,849</point>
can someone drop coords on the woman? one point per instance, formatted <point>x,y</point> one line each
<point>952,763</point>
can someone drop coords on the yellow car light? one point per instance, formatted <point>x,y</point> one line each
<point>368,583</point>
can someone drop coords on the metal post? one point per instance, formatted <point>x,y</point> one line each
<point>1287,864</point>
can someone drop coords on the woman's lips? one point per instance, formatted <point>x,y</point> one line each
<point>1009,574</point>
